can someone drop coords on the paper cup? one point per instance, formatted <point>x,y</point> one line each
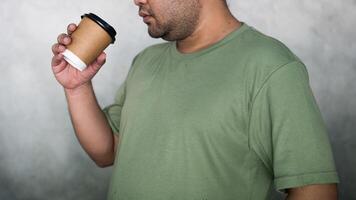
<point>90,38</point>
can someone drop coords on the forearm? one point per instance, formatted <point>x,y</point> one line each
<point>90,125</point>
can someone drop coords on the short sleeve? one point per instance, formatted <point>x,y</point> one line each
<point>287,130</point>
<point>113,111</point>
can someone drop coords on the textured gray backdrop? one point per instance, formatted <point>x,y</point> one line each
<point>40,157</point>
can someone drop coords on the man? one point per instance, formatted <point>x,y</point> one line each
<point>220,111</point>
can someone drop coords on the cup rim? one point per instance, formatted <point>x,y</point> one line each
<point>103,24</point>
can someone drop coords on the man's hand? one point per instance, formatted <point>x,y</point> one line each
<point>89,122</point>
<point>68,76</point>
<point>313,192</point>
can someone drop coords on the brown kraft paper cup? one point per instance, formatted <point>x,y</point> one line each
<point>89,40</point>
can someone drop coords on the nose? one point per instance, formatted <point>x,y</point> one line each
<point>140,2</point>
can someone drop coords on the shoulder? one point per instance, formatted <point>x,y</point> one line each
<point>266,50</point>
<point>263,55</point>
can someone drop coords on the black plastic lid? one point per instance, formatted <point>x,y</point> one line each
<point>109,29</point>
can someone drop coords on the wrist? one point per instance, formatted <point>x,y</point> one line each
<point>81,89</point>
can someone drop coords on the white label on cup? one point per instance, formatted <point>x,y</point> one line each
<point>74,60</point>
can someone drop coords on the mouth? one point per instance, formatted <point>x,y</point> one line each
<point>146,17</point>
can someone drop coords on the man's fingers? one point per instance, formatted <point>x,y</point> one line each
<point>60,67</point>
<point>96,65</point>
<point>57,59</point>
<point>64,39</point>
<point>58,63</point>
<point>71,28</point>
<point>100,61</point>
<point>101,58</point>
<point>57,48</point>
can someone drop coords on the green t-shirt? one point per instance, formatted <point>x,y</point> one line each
<point>226,122</point>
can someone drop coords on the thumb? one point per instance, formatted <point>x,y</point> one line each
<point>93,68</point>
<point>100,61</point>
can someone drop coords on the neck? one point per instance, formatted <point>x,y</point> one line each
<point>215,22</point>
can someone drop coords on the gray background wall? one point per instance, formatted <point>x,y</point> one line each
<point>40,157</point>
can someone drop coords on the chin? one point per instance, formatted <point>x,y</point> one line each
<point>164,36</point>
<point>168,38</point>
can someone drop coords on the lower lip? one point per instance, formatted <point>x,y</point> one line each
<point>146,19</point>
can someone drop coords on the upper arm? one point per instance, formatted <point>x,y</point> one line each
<point>287,130</point>
<point>310,192</point>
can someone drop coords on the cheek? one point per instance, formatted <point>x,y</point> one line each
<point>158,18</point>
<point>160,13</point>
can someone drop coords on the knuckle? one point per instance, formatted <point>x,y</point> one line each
<point>55,48</point>
<point>71,28</point>
<point>61,37</point>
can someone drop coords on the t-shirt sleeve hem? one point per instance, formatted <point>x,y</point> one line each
<point>283,183</point>
<point>111,123</point>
